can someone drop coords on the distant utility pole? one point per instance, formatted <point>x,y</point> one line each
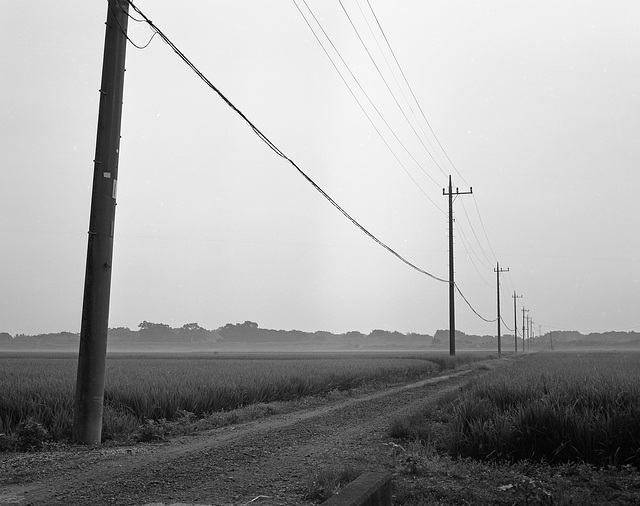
<point>87,425</point>
<point>551,339</point>
<point>452,286</point>
<point>523,326</point>
<point>498,270</point>
<point>540,336</point>
<point>515,320</point>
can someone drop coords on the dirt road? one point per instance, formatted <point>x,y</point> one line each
<point>268,461</point>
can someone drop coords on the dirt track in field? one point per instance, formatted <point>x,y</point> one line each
<point>263,462</point>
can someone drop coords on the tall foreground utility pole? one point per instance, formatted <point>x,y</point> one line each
<point>515,320</point>
<point>498,270</point>
<point>87,423</point>
<point>452,285</point>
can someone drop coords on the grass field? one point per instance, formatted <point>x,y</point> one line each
<point>155,389</point>
<point>548,407</point>
<point>545,428</point>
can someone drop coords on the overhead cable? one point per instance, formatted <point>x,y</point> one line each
<point>483,229</point>
<point>472,309</point>
<point>429,124</point>
<point>483,262</point>
<point>275,149</point>
<point>464,209</point>
<point>384,80</point>
<point>503,323</point>
<point>430,128</point>
<point>469,250</point>
<point>125,31</point>
<point>366,96</point>
<point>400,87</point>
<point>412,93</point>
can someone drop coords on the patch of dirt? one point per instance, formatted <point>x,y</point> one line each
<point>264,462</point>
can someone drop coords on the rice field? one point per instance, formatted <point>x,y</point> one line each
<point>141,388</point>
<point>549,407</point>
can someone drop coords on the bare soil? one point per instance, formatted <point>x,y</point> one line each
<point>263,462</point>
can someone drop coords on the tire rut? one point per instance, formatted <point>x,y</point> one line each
<point>268,460</point>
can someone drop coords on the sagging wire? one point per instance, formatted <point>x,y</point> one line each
<point>125,31</point>
<point>277,150</point>
<point>472,309</point>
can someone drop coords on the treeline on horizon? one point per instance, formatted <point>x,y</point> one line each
<point>249,333</point>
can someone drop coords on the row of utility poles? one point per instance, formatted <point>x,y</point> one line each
<point>90,382</point>
<point>95,309</point>
<point>452,318</point>
<point>527,322</point>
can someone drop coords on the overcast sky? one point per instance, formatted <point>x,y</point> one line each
<point>536,104</point>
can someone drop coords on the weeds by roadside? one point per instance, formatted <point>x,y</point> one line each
<point>329,480</point>
<point>146,395</point>
<point>552,430</point>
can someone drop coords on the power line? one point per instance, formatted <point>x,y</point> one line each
<point>124,32</point>
<point>387,86</point>
<point>275,149</point>
<point>510,282</point>
<point>335,66</point>
<point>400,87</point>
<point>489,260</point>
<point>413,94</point>
<point>483,229</point>
<point>472,308</point>
<point>506,326</point>
<point>481,260</point>
<point>469,249</point>
<point>429,126</point>
<point>464,209</point>
<point>413,129</point>
<point>433,133</point>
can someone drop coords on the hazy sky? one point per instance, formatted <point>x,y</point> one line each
<point>536,103</point>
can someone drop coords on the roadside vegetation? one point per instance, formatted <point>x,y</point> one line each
<point>149,397</point>
<point>551,428</point>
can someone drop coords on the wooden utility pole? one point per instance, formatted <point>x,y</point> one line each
<point>498,270</point>
<point>540,335</point>
<point>515,320</point>
<point>92,355</point>
<point>523,327</point>
<point>452,285</point>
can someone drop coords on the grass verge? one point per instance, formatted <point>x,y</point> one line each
<point>549,429</point>
<point>150,397</point>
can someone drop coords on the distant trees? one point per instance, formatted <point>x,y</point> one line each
<point>163,333</point>
<point>247,331</point>
<point>194,333</point>
<point>156,332</point>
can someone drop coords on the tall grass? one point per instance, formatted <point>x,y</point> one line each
<point>153,387</point>
<point>41,389</point>
<point>553,408</point>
